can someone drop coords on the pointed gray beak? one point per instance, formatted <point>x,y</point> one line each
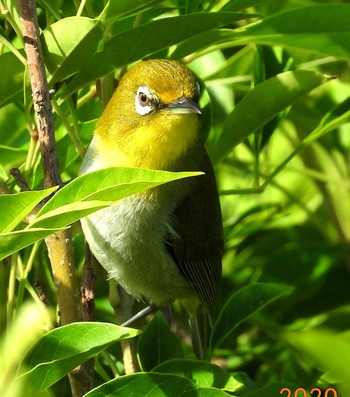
<point>184,105</point>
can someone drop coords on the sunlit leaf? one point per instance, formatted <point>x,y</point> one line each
<point>61,350</point>
<point>18,205</point>
<point>15,241</point>
<point>99,189</point>
<point>116,9</point>
<point>321,28</point>
<point>68,44</point>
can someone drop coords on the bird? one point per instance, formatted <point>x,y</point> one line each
<point>164,244</point>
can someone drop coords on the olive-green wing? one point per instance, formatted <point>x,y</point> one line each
<point>198,250</point>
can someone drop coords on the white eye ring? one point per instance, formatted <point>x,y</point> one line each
<point>144,100</point>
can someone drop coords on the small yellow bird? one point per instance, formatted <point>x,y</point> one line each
<point>166,243</point>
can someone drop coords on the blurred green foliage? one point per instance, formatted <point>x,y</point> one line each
<point>275,77</point>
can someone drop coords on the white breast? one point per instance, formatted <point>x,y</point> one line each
<point>128,240</point>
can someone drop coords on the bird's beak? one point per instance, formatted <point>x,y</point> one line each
<point>184,105</point>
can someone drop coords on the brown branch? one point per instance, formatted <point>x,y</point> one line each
<point>59,245</point>
<point>40,92</point>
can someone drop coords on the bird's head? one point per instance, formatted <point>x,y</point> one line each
<point>152,117</point>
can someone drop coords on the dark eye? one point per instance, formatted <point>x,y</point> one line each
<point>144,100</point>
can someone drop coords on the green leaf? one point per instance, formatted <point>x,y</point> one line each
<point>157,344</point>
<point>329,351</point>
<point>68,44</point>
<point>322,28</point>
<point>12,75</point>
<point>12,156</point>
<point>97,190</point>
<point>153,385</point>
<point>61,350</point>
<point>243,304</point>
<point>273,389</point>
<point>145,40</point>
<point>237,5</point>
<point>202,373</point>
<point>15,241</point>
<point>261,104</point>
<point>200,41</point>
<point>115,9</point>
<point>18,205</point>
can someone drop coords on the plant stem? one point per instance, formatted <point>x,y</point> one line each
<point>60,246</point>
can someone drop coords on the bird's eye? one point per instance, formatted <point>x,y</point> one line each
<point>145,100</point>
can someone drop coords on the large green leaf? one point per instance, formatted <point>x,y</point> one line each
<point>15,207</point>
<point>153,385</point>
<point>97,190</point>
<point>243,304</point>
<point>61,350</point>
<point>261,104</point>
<point>116,9</point>
<point>157,344</point>
<point>145,40</point>
<point>201,41</point>
<point>68,44</point>
<point>322,28</point>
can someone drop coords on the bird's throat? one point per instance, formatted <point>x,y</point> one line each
<point>147,148</point>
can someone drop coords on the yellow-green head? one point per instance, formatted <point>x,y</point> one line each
<point>152,117</point>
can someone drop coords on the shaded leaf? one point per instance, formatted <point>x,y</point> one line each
<point>272,389</point>
<point>157,344</point>
<point>241,305</point>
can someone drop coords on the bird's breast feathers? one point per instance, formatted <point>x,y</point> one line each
<point>128,240</point>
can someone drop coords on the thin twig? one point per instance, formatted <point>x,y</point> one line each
<point>21,182</point>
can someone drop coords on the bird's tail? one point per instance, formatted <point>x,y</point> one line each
<point>199,324</point>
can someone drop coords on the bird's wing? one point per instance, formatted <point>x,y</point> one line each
<point>198,247</point>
